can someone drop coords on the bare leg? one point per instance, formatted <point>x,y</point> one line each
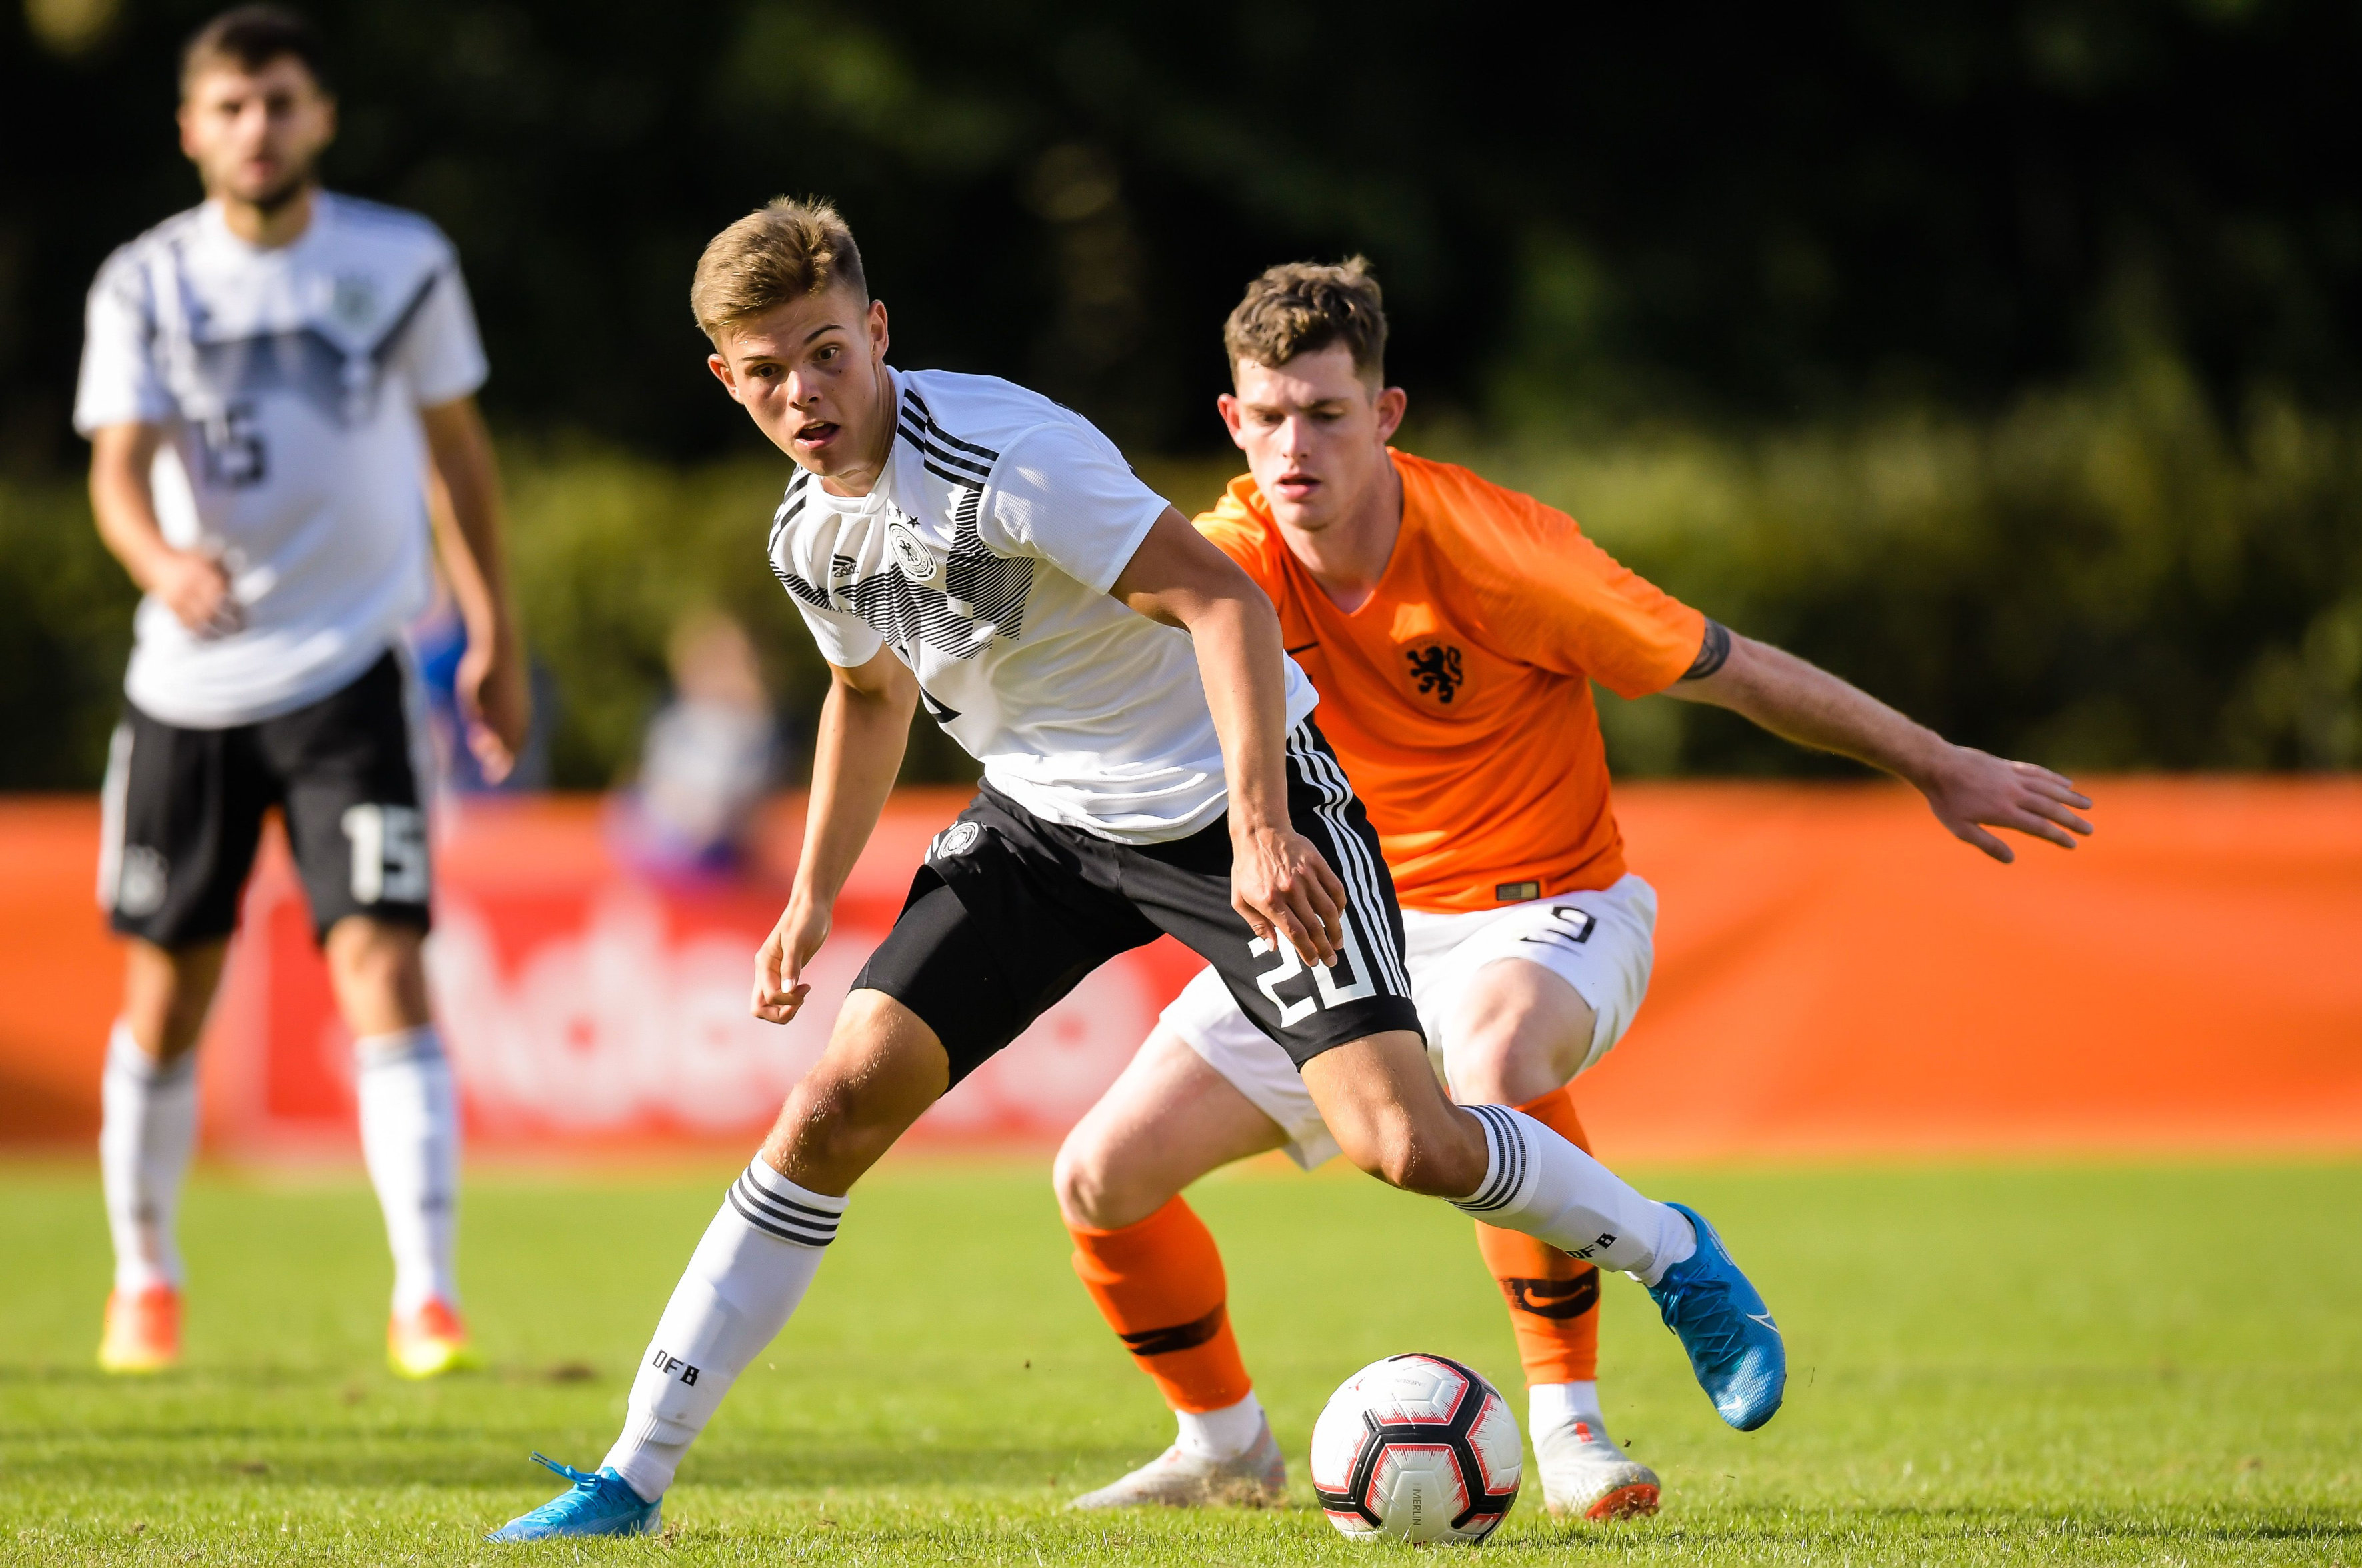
<point>378,974</point>
<point>166,994</point>
<point>1167,1120</point>
<point>1387,1113</point>
<point>883,1068</point>
<point>1519,1031</point>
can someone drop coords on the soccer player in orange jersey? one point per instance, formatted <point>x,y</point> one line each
<point>1452,629</point>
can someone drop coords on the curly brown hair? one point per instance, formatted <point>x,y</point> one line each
<point>1302,307</point>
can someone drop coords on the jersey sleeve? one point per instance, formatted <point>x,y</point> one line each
<point>1567,605</point>
<point>845,641</point>
<point>121,381</point>
<point>1236,532</point>
<point>1063,494</point>
<point>441,353</point>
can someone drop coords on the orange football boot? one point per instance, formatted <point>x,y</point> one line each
<point>429,1342</point>
<point>143,1330</point>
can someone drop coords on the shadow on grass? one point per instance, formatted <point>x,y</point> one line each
<point>159,1459</point>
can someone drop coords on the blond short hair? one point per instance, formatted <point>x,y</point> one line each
<point>1302,307</point>
<point>782,251</point>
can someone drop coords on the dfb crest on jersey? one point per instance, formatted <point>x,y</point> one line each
<point>352,299</point>
<point>911,552</point>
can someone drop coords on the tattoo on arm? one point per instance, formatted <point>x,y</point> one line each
<point>1711,652</point>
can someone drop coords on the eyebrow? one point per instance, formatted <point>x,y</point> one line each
<point>1316,402</point>
<point>824,329</point>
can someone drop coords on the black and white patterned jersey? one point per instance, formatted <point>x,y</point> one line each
<point>288,384</point>
<point>983,557</point>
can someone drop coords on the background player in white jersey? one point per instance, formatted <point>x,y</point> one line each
<point>1149,766</point>
<point>266,380</point>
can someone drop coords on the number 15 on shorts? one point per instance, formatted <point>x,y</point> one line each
<point>389,854</point>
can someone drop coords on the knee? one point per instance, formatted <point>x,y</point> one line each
<point>1080,1178</point>
<point>1435,1160</point>
<point>1095,1191</point>
<point>166,995</point>
<point>882,1069</point>
<point>1521,1034</point>
<point>380,974</point>
<point>832,1123</point>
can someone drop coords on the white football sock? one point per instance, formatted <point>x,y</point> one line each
<point>1220,1434</point>
<point>743,1283</point>
<point>1550,1406</point>
<point>1539,1183</point>
<point>410,1140</point>
<point>148,1130</point>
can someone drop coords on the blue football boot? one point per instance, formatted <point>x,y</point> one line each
<point>1734,1347</point>
<point>603,1504</point>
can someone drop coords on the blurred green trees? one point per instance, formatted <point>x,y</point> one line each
<point>2005,358</point>
<point>2112,579</point>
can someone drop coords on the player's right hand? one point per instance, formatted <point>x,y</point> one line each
<point>780,984</point>
<point>195,588</point>
<point>1280,884</point>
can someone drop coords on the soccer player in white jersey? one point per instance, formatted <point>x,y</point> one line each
<point>265,382</point>
<point>1150,765</point>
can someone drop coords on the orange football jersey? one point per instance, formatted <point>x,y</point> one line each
<point>1458,696</point>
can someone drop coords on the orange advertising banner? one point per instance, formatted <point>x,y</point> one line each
<point>1834,975</point>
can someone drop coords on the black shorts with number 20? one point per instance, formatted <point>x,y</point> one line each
<point>1010,912</point>
<point>184,809</point>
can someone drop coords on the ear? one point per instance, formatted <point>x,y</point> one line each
<point>187,117</point>
<point>720,368</point>
<point>1391,404</point>
<point>1229,405</point>
<point>880,337</point>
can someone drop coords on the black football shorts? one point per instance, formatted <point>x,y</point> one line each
<point>1010,912</point>
<point>184,809</point>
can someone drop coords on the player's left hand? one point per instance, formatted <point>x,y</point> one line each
<point>1971,790</point>
<point>781,989</point>
<point>495,704</point>
<point>1285,892</point>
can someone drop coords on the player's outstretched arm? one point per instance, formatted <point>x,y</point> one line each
<point>1279,883</point>
<point>495,703</point>
<point>192,585</point>
<point>865,725</point>
<point>1969,791</point>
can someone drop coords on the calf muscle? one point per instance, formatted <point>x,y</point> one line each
<point>1387,1113</point>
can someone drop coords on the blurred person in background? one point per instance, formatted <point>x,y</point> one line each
<point>266,380</point>
<point>439,644</point>
<point>709,755</point>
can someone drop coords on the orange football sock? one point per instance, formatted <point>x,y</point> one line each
<point>1159,1284</point>
<point>1553,1298</point>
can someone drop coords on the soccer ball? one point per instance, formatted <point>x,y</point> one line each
<point>1417,1448</point>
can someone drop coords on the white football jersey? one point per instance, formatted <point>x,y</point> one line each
<point>288,382</point>
<point>982,558</point>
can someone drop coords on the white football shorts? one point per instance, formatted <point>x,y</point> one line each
<point>1602,943</point>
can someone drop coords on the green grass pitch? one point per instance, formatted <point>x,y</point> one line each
<point>1992,1364</point>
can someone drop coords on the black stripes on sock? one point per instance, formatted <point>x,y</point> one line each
<point>790,1221</point>
<point>1506,1142</point>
